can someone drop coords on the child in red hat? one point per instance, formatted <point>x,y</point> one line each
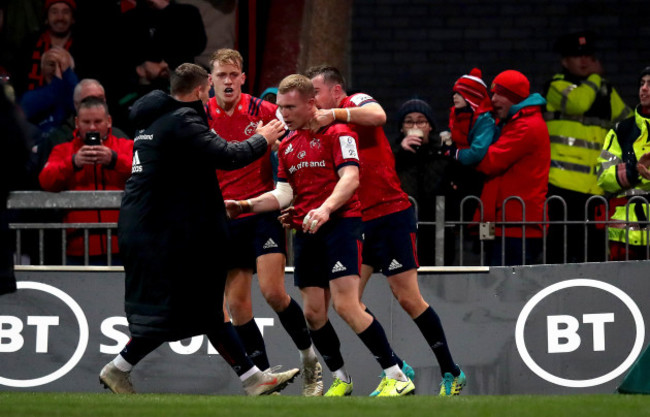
<point>470,120</point>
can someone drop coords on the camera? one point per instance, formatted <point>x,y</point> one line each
<point>92,139</point>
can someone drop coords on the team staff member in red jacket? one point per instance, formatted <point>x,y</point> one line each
<point>517,164</point>
<point>74,165</point>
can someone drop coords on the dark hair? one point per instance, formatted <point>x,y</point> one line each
<point>331,75</point>
<point>93,101</point>
<point>186,77</point>
<point>646,71</point>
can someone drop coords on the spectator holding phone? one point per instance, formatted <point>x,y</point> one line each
<point>93,160</point>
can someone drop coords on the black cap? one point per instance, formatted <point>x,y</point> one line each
<point>646,71</point>
<point>416,106</point>
<point>579,43</point>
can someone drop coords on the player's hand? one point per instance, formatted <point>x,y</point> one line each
<point>315,219</point>
<point>286,217</point>
<point>322,117</point>
<point>271,132</point>
<point>411,143</point>
<point>233,209</point>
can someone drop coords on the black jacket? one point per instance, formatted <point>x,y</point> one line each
<point>172,228</point>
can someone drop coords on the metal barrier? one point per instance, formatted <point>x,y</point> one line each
<point>76,200</point>
<point>482,231</point>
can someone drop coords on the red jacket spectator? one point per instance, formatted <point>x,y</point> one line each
<point>517,164</point>
<point>63,172</point>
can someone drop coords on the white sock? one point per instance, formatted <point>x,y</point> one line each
<point>395,373</point>
<point>121,364</point>
<point>308,355</point>
<point>243,377</point>
<point>343,375</point>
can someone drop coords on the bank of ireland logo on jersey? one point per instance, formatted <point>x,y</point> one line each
<point>580,333</point>
<point>44,344</point>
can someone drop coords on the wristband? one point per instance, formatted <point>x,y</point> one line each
<point>341,114</point>
<point>348,112</point>
<point>333,115</point>
<point>245,205</point>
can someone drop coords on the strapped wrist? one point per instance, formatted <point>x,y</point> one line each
<point>245,205</point>
<point>341,114</point>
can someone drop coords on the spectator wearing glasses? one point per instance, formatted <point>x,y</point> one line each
<point>424,172</point>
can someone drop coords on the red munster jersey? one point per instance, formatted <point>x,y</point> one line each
<point>380,191</point>
<point>257,177</point>
<point>309,162</point>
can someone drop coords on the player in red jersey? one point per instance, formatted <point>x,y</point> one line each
<point>322,170</point>
<point>389,223</point>
<point>258,241</point>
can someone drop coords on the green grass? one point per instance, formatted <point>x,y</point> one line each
<point>159,405</point>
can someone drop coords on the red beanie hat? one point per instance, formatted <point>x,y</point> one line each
<point>71,3</point>
<point>512,85</point>
<point>472,88</point>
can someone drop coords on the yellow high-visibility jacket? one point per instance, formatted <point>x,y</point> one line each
<point>617,174</point>
<point>579,113</point>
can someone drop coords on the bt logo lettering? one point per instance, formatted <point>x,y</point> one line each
<point>44,345</point>
<point>12,330</point>
<point>563,331</point>
<point>567,333</point>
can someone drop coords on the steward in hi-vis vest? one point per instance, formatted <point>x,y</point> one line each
<point>623,170</point>
<point>582,107</point>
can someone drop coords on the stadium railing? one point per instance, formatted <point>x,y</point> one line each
<point>469,231</point>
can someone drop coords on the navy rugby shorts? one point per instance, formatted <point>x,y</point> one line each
<point>332,252</point>
<point>254,236</point>
<point>389,242</point>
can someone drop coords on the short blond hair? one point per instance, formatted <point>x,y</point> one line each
<point>298,83</point>
<point>225,56</point>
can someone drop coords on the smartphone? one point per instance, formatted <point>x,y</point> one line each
<point>92,139</point>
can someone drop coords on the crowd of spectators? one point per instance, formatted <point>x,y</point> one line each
<point>63,64</point>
